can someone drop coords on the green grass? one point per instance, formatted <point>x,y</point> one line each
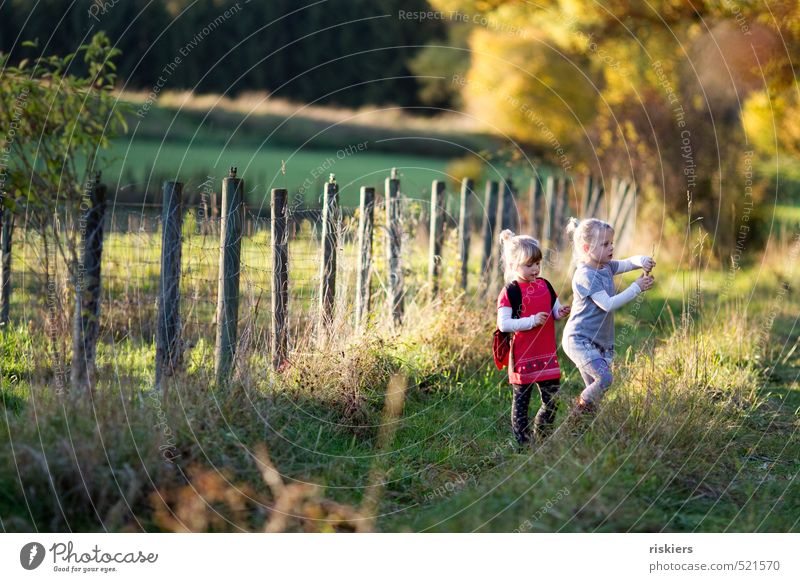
<point>306,169</point>
<point>189,145</point>
<point>170,143</point>
<point>788,215</point>
<point>699,432</point>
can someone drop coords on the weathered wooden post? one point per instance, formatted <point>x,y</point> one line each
<point>506,219</point>
<point>365,225</point>
<point>204,224</point>
<point>169,353</point>
<point>86,322</point>
<point>6,237</point>
<point>331,225</point>
<point>509,215</point>
<point>610,198</point>
<point>536,206</point>
<point>549,213</point>
<point>588,193</point>
<point>626,212</point>
<point>215,220</point>
<point>619,193</point>
<point>560,211</point>
<point>489,258</point>
<point>394,234</point>
<point>230,237</point>
<point>599,195</point>
<point>438,204</point>
<point>464,229</point>
<point>280,277</point>
<point>628,219</point>
<point>595,199</point>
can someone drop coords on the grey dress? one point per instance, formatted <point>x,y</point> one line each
<point>589,332</point>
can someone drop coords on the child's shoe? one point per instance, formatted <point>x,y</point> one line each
<point>541,432</point>
<point>580,416</point>
<point>523,446</point>
<point>584,408</point>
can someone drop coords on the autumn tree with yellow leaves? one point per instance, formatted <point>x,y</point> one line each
<point>678,95</point>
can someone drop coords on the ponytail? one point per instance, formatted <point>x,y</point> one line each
<point>572,226</point>
<point>506,236</point>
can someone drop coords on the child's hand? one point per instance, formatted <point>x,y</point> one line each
<point>540,318</point>
<point>564,311</point>
<point>645,282</point>
<point>648,264</point>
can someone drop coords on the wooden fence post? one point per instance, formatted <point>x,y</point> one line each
<point>550,209</point>
<point>598,193</point>
<point>625,212</point>
<point>588,197</point>
<point>438,204</point>
<point>366,221</point>
<point>488,232</point>
<point>331,220</point>
<point>510,215</point>
<point>619,193</point>
<point>560,212</point>
<point>230,237</point>
<point>464,229</point>
<point>506,210</point>
<point>204,225</point>
<point>169,352</point>
<point>610,198</point>
<point>86,322</point>
<point>535,201</point>
<point>6,238</point>
<point>280,277</point>
<point>393,240</point>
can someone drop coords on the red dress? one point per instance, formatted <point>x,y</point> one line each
<point>533,352</point>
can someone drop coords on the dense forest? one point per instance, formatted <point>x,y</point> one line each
<point>303,50</point>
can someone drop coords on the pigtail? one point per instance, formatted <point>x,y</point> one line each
<point>572,227</point>
<point>506,237</point>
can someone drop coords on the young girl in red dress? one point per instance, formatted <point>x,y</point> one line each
<point>533,359</point>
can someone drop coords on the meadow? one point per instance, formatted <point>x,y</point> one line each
<point>699,432</point>
<point>282,145</point>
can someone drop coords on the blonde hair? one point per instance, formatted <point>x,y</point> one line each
<point>586,231</point>
<point>518,250</point>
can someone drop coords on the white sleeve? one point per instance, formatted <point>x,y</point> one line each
<point>506,323</point>
<point>556,307</point>
<point>629,264</point>
<point>607,303</point>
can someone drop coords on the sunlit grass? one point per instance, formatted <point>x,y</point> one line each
<point>698,432</point>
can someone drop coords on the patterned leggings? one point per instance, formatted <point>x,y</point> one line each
<point>520,425</point>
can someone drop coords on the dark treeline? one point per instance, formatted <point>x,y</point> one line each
<point>272,45</point>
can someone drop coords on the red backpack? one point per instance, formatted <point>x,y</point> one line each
<point>501,342</point>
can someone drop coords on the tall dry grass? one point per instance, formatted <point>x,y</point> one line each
<point>125,460</point>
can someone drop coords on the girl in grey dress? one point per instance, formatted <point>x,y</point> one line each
<point>588,337</point>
